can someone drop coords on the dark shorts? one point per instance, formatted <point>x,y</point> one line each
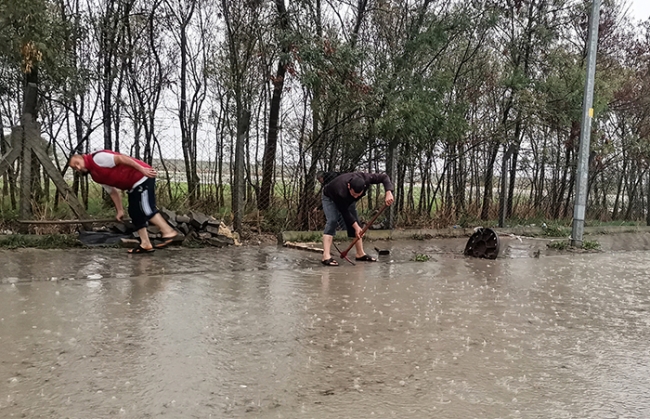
<point>142,203</point>
<point>335,219</point>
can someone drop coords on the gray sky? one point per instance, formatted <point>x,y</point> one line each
<point>639,9</point>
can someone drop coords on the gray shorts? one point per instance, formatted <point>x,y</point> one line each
<point>335,219</point>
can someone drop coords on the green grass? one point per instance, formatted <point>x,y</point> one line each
<point>618,223</point>
<point>310,237</point>
<point>49,241</point>
<point>421,237</point>
<point>590,245</point>
<point>96,207</point>
<point>419,257</point>
<point>556,231</point>
<point>282,215</point>
<point>559,245</point>
<point>100,208</point>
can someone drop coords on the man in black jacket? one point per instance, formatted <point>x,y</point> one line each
<point>339,199</point>
<point>326,177</point>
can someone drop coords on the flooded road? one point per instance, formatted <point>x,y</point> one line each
<point>268,332</point>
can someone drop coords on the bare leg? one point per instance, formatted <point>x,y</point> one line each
<point>166,230</point>
<point>360,253</point>
<point>145,243</point>
<point>327,246</point>
<point>359,248</point>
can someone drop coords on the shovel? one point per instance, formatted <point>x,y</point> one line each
<point>344,254</point>
<point>381,252</point>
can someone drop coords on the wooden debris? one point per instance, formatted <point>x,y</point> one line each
<point>84,221</point>
<point>310,247</point>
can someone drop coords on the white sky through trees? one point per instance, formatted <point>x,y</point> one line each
<point>639,9</point>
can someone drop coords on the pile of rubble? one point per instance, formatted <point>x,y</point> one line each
<point>194,226</point>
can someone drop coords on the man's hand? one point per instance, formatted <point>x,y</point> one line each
<point>148,172</point>
<point>117,201</point>
<point>389,198</point>
<point>358,231</point>
<point>128,161</point>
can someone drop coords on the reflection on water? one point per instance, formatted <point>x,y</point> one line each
<point>270,333</point>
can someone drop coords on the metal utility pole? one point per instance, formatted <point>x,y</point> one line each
<point>582,175</point>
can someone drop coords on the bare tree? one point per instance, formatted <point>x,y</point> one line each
<point>241,22</point>
<point>268,170</point>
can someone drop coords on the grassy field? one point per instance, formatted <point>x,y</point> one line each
<point>281,215</point>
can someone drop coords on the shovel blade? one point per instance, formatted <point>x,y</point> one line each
<point>343,255</point>
<point>382,252</point>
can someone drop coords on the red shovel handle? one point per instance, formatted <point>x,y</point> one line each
<point>344,254</point>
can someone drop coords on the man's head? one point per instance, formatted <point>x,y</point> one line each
<point>78,164</point>
<point>357,186</point>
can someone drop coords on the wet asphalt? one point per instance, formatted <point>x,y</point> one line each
<point>268,332</point>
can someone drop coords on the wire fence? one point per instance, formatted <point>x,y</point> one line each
<point>241,104</point>
<point>484,184</point>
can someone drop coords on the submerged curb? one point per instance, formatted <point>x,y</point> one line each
<point>58,241</point>
<point>430,233</point>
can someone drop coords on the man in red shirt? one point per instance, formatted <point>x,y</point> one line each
<point>115,172</point>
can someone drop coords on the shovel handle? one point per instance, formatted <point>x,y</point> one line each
<point>344,254</point>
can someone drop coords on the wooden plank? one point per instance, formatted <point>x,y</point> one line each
<point>129,243</point>
<point>30,100</point>
<point>8,159</point>
<point>25,172</point>
<point>85,221</point>
<point>65,190</point>
<point>310,247</point>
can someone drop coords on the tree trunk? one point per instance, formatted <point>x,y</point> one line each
<point>539,193</point>
<point>647,209</point>
<point>460,180</point>
<point>108,47</point>
<point>503,213</point>
<point>239,182</point>
<point>489,176</point>
<point>513,167</point>
<point>182,115</point>
<point>619,189</point>
<point>268,169</point>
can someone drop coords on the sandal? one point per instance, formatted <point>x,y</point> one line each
<point>330,262</point>
<point>140,249</point>
<point>166,241</point>
<point>365,258</point>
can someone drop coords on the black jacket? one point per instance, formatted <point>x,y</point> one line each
<point>329,176</point>
<point>337,191</point>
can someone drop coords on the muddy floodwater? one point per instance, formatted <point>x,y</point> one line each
<point>268,332</point>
